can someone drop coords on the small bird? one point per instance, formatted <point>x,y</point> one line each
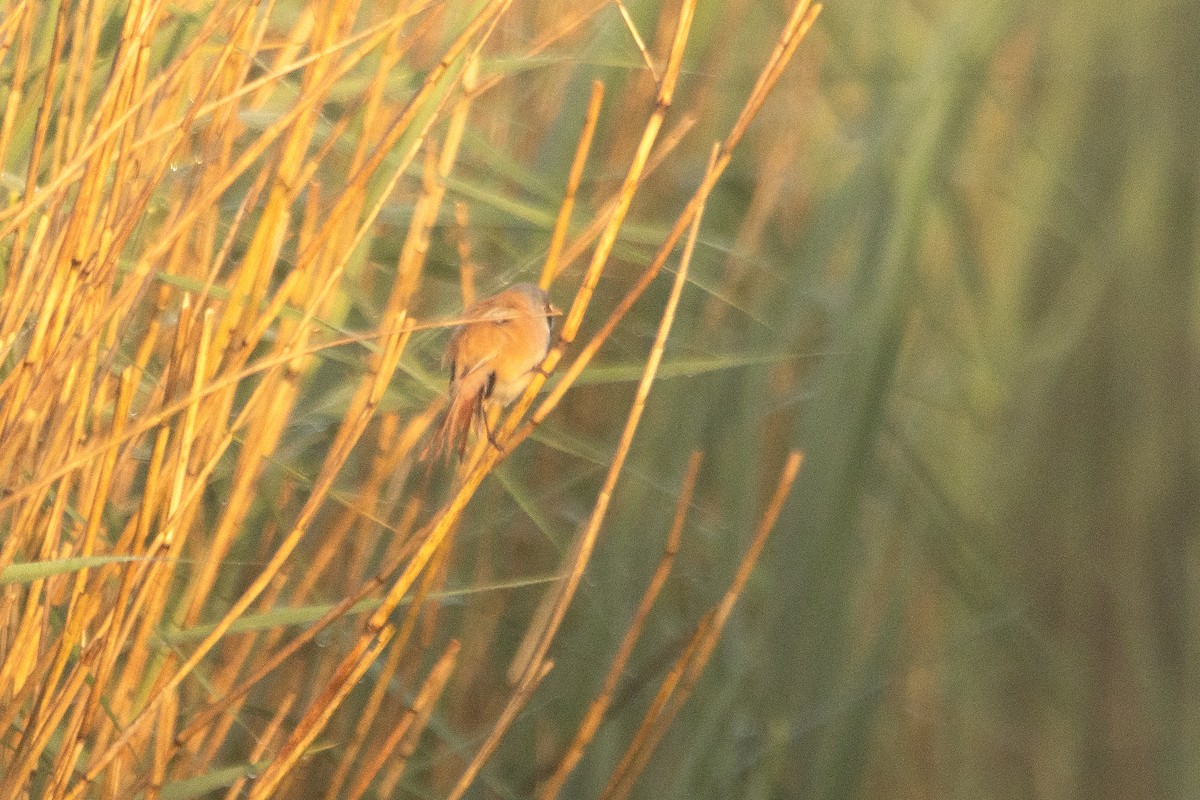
<point>493,355</point>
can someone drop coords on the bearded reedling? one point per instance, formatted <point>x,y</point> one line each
<point>493,355</point>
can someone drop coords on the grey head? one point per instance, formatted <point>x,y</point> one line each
<point>538,297</point>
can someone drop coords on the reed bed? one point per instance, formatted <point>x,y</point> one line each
<point>233,239</point>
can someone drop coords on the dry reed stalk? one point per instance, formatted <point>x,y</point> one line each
<point>281,387</point>
<point>265,740</point>
<point>260,440</point>
<point>562,223</point>
<point>387,481</point>
<point>162,739</point>
<point>59,307</point>
<point>84,45</point>
<point>253,151</point>
<point>38,732</point>
<point>433,190</point>
<point>761,210</point>
<point>249,288</point>
<point>563,30</point>
<point>43,120</point>
<point>678,684</point>
<point>62,770</point>
<point>335,613</point>
<point>373,118</point>
<point>483,616</point>
<point>49,706</point>
<point>357,739</point>
<point>403,736</point>
<point>233,657</point>
<point>802,19</point>
<point>331,549</point>
<point>370,391</point>
<point>516,702</point>
<point>321,709</point>
<point>22,29</point>
<point>548,618</point>
<point>637,39</point>
<point>146,665</point>
<point>23,673</point>
<point>351,669</point>
<point>438,571</point>
<point>462,245</point>
<point>473,36</point>
<point>666,93</point>
<point>155,419</point>
<point>388,467</point>
<point>382,682</point>
<point>367,40</point>
<point>10,23</point>
<point>115,229</point>
<point>552,786</point>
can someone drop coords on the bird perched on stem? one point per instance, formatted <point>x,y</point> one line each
<point>493,356</point>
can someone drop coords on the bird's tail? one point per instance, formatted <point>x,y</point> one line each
<point>466,403</point>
